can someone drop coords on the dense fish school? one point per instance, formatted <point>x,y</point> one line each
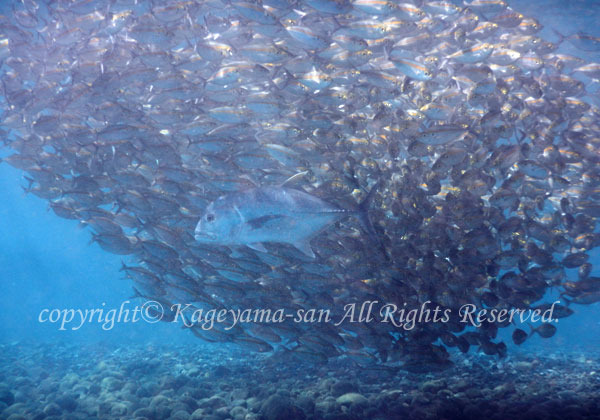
<point>473,134</point>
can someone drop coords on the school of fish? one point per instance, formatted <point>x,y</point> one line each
<point>439,152</point>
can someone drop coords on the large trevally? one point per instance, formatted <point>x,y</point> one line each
<point>272,214</point>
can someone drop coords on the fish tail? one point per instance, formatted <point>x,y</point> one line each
<point>363,215</point>
<point>532,330</point>
<point>136,294</point>
<point>562,296</point>
<point>560,36</point>
<point>31,182</point>
<point>142,224</point>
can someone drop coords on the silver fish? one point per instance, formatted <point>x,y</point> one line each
<point>272,214</point>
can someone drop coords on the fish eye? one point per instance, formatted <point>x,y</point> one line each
<point>210,217</point>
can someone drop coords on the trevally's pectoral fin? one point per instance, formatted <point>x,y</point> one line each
<point>261,222</point>
<point>303,245</point>
<point>257,246</point>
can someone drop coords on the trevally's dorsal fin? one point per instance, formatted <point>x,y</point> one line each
<point>293,178</point>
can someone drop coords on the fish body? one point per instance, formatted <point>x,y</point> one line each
<point>519,336</point>
<point>306,37</point>
<point>413,69</point>
<point>442,135</point>
<point>267,214</point>
<point>583,41</point>
<point>475,54</point>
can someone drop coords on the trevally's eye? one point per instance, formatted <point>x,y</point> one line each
<point>210,217</point>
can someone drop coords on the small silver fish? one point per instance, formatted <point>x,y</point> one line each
<point>272,214</point>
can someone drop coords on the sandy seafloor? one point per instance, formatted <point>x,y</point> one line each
<point>190,382</point>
